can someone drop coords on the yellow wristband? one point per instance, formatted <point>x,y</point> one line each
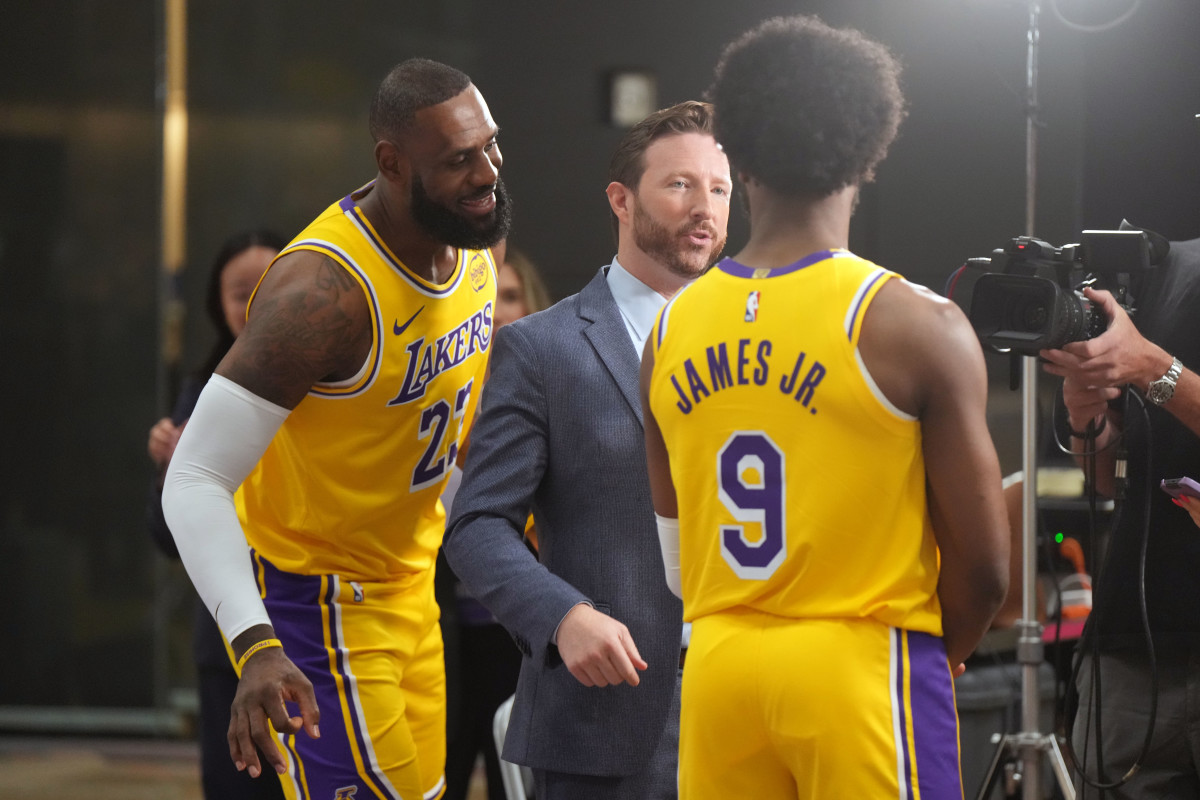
<point>254,648</point>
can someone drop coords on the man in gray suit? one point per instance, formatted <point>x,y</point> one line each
<point>560,434</point>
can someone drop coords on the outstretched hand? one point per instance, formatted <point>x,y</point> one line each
<point>269,679</point>
<point>597,649</point>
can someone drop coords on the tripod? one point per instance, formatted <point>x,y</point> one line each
<point>1029,745</point>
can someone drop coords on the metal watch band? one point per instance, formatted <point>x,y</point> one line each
<point>1163,389</point>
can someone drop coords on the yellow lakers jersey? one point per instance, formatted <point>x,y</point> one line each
<point>350,483</point>
<point>801,489</point>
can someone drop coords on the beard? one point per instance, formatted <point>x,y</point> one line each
<point>670,249</point>
<point>457,230</point>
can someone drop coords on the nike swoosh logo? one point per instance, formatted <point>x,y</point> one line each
<point>398,329</point>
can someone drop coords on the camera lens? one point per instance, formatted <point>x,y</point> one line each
<point>1033,317</point>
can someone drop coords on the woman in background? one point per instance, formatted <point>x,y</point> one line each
<point>238,266</point>
<point>520,290</point>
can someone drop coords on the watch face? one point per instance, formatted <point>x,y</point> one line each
<point>1161,391</point>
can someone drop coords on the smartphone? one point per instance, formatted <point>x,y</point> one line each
<point>1181,486</point>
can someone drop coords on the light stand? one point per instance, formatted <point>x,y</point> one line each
<point>1029,745</point>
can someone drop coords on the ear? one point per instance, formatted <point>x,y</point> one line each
<point>392,162</point>
<point>621,199</point>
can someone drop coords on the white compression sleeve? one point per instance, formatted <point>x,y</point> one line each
<point>668,540</point>
<point>227,434</point>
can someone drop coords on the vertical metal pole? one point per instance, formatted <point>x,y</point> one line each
<point>1030,650</point>
<point>172,88</point>
<point>1031,111</point>
<point>1029,646</point>
<point>1029,744</point>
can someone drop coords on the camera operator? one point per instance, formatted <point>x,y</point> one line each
<point>1156,433</point>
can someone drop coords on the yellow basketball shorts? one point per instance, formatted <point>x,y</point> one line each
<point>373,652</point>
<point>781,708</point>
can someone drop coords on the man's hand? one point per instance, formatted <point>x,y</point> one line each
<point>269,678</point>
<point>1119,356</point>
<point>1086,403</point>
<point>597,649</point>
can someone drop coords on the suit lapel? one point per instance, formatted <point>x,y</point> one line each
<point>606,331</point>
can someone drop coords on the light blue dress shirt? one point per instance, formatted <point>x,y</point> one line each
<point>638,303</point>
<point>639,306</point>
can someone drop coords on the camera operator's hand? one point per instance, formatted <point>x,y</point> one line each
<point>1119,356</point>
<point>1086,403</point>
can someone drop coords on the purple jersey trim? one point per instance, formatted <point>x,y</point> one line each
<point>295,604</point>
<point>934,719</point>
<point>346,678</point>
<point>901,710</point>
<point>360,221</point>
<point>731,267</point>
<point>289,744</point>
<point>858,302</point>
<point>348,202</point>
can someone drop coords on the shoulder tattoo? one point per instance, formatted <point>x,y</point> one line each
<point>309,327</point>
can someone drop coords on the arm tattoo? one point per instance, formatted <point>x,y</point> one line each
<point>312,325</point>
<point>333,278</point>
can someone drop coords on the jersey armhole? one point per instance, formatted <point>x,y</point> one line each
<point>857,308</point>
<point>361,380</point>
<point>659,331</point>
<point>855,314</point>
<point>878,393</point>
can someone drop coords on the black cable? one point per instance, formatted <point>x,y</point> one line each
<point>1089,479</point>
<point>1097,692</point>
<point>1087,452</point>
<point>1090,634</point>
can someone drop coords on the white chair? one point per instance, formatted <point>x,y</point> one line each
<point>518,780</point>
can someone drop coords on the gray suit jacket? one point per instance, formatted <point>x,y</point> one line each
<point>560,433</point>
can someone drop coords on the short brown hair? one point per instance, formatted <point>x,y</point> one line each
<point>628,162</point>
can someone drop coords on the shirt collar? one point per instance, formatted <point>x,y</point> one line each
<point>638,303</point>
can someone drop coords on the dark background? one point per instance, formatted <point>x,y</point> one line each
<point>278,94</point>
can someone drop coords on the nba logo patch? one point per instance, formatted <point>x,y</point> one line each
<point>752,307</point>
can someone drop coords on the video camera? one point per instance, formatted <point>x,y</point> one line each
<point>1030,296</point>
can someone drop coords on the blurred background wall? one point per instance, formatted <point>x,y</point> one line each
<point>278,95</point>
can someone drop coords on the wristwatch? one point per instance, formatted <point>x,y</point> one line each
<point>1161,390</point>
